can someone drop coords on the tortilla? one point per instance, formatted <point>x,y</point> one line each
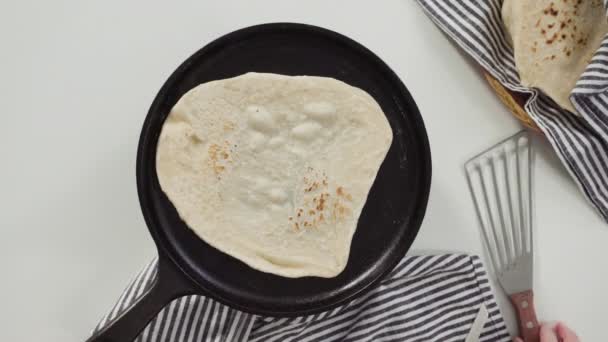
<point>274,170</point>
<point>554,42</point>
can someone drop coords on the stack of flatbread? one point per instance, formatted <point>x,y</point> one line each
<point>554,42</point>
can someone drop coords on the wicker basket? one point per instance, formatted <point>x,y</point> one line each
<point>514,102</point>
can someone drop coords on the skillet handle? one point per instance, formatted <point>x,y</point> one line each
<point>170,283</point>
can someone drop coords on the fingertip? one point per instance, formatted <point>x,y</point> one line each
<point>547,333</point>
<point>565,333</point>
<point>517,339</point>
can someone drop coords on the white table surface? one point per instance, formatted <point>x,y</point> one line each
<point>76,80</point>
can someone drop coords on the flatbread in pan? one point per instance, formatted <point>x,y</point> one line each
<point>274,170</point>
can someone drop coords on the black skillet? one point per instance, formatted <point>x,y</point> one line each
<point>387,227</point>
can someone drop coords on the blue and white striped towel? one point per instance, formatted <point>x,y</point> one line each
<point>425,298</point>
<point>580,142</point>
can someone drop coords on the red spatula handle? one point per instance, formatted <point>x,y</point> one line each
<point>529,329</point>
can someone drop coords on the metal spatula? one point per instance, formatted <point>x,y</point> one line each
<point>500,180</point>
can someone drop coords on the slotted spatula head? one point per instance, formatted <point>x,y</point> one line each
<point>501,184</point>
<point>500,180</point>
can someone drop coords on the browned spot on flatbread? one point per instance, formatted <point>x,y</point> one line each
<point>313,181</point>
<point>219,157</point>
<point>312,187</point>
<point>339,211</point>
<point>342,193</point>
<point>229,126</point>
<point>321,203</point>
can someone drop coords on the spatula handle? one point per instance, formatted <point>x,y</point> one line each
<point>529,329</point>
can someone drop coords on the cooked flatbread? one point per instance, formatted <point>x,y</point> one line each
<point>274,170</point>
<point>554,41</point>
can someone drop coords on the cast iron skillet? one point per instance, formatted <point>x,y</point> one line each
<point>387,227</point>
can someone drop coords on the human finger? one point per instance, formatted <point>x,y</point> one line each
<point>565,333</point>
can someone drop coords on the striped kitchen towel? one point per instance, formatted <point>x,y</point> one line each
<point>425,298</point>
<point>580,142</point>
